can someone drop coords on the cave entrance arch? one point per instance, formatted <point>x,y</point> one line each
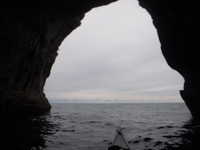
<point>117,38</point>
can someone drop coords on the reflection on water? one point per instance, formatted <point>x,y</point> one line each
<point>25,133</point>
<point>189,137</point>
<point>66,129</point>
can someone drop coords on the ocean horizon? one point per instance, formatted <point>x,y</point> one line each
<point>96,101</point>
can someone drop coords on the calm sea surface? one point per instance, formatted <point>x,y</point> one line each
<point>92,127</point>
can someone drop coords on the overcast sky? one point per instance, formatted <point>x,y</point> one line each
<point>113,56</point>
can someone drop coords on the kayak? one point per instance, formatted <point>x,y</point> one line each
<point>119,142</point>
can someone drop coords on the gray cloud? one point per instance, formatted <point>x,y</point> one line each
<point>115,52</point>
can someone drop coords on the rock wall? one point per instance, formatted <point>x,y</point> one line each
<point>178,28</point>
<point>30,37</point>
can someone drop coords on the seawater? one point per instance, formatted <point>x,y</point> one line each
<point>155,126</point>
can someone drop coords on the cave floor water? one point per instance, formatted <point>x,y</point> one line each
<point>92,126</point>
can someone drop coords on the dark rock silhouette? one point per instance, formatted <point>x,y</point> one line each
<point>30,37</point>
<point>177,31</point>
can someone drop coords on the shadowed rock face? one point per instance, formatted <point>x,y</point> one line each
<point>177,29</point>
<point>30,37</point>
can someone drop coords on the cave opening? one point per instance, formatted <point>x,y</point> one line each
<point>114,56</point>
